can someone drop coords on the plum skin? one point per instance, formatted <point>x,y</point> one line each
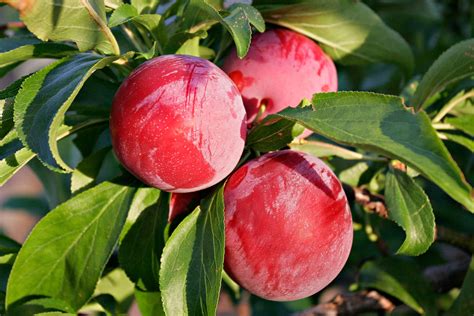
<point>281,68</point>
<point>182,204</point>
<point>288,226</point>
<point>178,123</point>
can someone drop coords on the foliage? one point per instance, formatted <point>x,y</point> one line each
<point>409,144</point>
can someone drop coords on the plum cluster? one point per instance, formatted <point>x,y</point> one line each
<point>179,123</point>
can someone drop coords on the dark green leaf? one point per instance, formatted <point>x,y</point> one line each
<point>193,259</point>
<point>80,21</point>
<point>401,279</point>
<point>36,206</point>
<point>410,208</point>
<point>8,245</point>
<point>464,123</point>
<point>45,97</point>
<point>381,124</point>
<point>108,303</point>
<point>142,246</point>
<point>11,43</point>
<point>271,134</point>
<point>12,89</point>
<point>149,303</point>
<point>117,284</point>
<point>6,119</point>
<point>462,140</point>
<point>349,31</point>
<point>453,65</point>
<point>464,304</point>
<point>11,52</point>
<point>67,250</point>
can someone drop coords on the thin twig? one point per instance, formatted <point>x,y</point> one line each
<point>352,304</point>
<point>452,104</point>
<point>455,238</point>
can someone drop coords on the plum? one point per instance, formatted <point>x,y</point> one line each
<point>178,123</point>
<point>288,226</point>
<point>182,204</point>
<point>281,68</point>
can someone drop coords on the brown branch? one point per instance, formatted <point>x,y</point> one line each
<point>10,25</point>
<point>442,278</point>
<point>447,276</point>
<point>455,238</point>
<point>352,304</point>
<point>374,203</point>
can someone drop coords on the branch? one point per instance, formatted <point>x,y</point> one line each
<point>455,238</point>
<point>447,276</point>
<point>442,278</point>
<point>352,304</point>
<point>374,203</point>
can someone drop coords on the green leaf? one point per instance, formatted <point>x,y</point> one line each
<point>123,14</point>
<point>272,133</point>
<point>380,123</point>
<point>146,6</point>
<point>238,21</point>
<point>452,66</point>
<point>67,250</point>
<point>465,301</point>
<point>6,119</point>
<point>141,249</point>
<point>54,314</point>
<point>11,50</point>
<point>14,162</point>
<point>190,47</point>
<point>36,206</point>
<point>461,140</point>
<point>149,303</point>
<point>349,31</point>
<point>410,208</point>
<point>128,13</point>
<point>353,174</point>
<point>80,21</point>
<point>323,149</point>
<point>117,284</point>
<point>10,165</point>
<point>464,123</point>
<point>193,259</point>
<point>43,100</point>
<point>92,170</point>
<point>144,197</point>
<point>107,302</point>
<point>401,279</point>
<point>12,89</point>
<point>8,245</point>
<point>84,175</point>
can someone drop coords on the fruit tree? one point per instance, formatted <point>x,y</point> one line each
<point>211,157</point>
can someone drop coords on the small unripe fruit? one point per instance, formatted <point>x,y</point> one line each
<point>178,123</point>
<point>281,68</point>
<point>288,226</point>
